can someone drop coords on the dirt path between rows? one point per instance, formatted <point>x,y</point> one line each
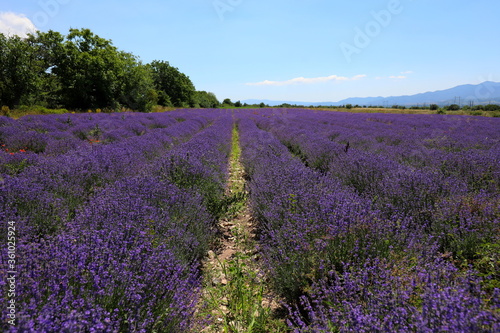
<point>235,297</point>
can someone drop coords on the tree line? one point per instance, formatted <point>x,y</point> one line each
<point>82,71</point>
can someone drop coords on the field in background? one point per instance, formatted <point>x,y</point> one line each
<point>36,110</point>
<point>39,110</point>
<point>410,111</point>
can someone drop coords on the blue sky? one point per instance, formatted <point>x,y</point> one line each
<point>312,51</point>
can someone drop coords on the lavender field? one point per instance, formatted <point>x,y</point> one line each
<point>365,222</point>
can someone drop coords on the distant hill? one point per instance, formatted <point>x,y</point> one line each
<point>484,93</point>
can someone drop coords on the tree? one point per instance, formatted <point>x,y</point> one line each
<point>237,104</point>
<point>433,107</point>
<point>90,71</point>
<point>453,107</point>
<point>18,70</point>
<point>176,85</point>
<point>491,107</point>
<point>48,47</point>
<point>348,106</point>
<point>206,99</point>
<point>84,71</point>
<point>138,90</point>
<point>228,102</point>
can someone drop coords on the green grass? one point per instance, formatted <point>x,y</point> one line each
<point>29,110</point>
<point>24,110</point>
<point>238,303</point>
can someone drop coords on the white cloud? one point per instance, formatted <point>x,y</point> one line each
<point>15,24</point>
<point>395,77</point>
<point>303,80</point>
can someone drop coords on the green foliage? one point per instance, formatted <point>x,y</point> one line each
<point>5,111</point>
<point>83,71</point>
<point>174,84</point>
<point>433,107</point>
<point>39,110</point>
<point>88,70</point>
<point>138,90</point>
<point>183,174</point>
<point>466,244</point>
<point>228,102</point>
<point>15,167</point>
<point>48,46</point>
<point>164,99</point>
<point>348,106</point>
<point>453,107</point>
<point>245,298</point>
<point>18,70</point>
<point>491,107</point>
<point>488,265</point>
<point>206,100</point>
<point>242,307</point>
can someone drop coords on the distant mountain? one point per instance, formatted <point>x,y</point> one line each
<point>484,93</point>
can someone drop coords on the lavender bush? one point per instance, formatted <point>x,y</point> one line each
<point>107,241</point>
<point>359,213</point>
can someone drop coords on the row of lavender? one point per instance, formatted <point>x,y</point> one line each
<point>432,185</point>
<point>378,222</point>
<point>462,147</point>
<point>113,213</point>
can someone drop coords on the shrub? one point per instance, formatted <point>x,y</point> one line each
<point>5,111</point>
<point>491,107</point>
<point>453,107</point>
